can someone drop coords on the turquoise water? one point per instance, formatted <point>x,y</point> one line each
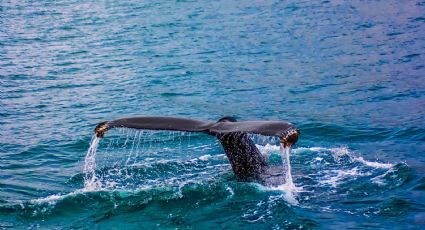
<point>349,74</point>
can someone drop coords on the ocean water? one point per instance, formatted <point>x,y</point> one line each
<point>348,74</point>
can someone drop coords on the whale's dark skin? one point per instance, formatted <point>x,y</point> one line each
<point>247,162</point>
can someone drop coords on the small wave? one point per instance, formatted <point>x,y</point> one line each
<point>191,191</point>
<point>337,176</point>
<point>53,199</point>
<point>393,177</point>
<point>340,152</point>
<point>374,164</point>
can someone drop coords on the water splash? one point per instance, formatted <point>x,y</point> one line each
<point>131,159</point>
<point>344,152</point>
<point>141,162</point>
<point>119,171</point>
<point>90,181</point>
<point>288,187</point>
<point>285,151</point>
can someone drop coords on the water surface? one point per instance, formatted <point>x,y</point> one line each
<point>349,74</point>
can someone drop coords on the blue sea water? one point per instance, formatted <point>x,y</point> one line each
<point>348,74</point>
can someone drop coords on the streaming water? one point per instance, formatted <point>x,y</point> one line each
<point>288,187</point>
<point>285,153</point>
<point>90,180</point>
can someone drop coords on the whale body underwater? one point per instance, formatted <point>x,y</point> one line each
<point>247,162</point>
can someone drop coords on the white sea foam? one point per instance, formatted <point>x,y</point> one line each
<point>335,177</point>
<point>344,151</point>
<point>230,190</point>
<point>332,177</point>
<point>204,157</point>
<point>290,192</point>
<point>373,164</point>
<point>51,200</point>
<point>380,179</point>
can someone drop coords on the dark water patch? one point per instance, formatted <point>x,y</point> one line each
<point>12,190</point>
<point>169,94</point>
<point>336,132</point>
<point>420,184</point>
<point>348,133</point>
<point>394,33</point>
<point>411,133</point>
<point>418,19</point>
<point>312,88</point>
<point>410,57</point>
<point>43,150</point>
<point>393,207</point>
<point>72,86</point>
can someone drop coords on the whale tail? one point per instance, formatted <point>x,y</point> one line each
<point>246,160</point>
<point>286,131</point>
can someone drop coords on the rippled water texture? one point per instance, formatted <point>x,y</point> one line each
<point>349,74</point>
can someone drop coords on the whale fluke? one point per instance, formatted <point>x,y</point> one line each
<point>246,160</point>
<point>284,130</point>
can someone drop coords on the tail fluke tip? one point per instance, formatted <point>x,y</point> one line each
<point>101,128</point>
<point>289,137</point>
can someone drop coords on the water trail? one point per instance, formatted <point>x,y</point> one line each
<point>132,148</point>
<point>285,154</point>
<point>90,180</point>
<point>289,187</point>
<point>137,147</point>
